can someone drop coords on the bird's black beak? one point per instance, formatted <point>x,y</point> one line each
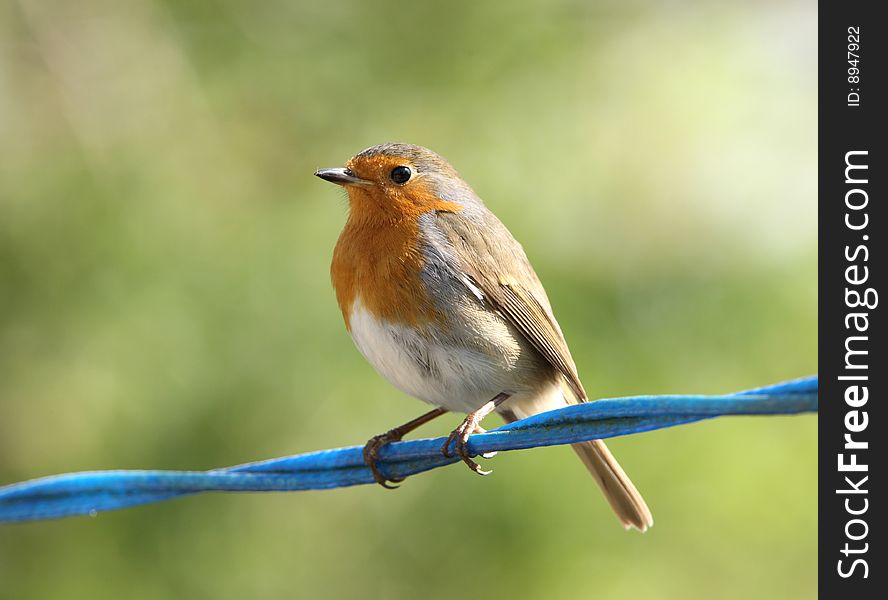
<point>340,177</point>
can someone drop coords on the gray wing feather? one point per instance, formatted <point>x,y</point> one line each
<point>496,264</point>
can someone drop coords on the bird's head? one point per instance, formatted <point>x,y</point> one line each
<point>393,180</point>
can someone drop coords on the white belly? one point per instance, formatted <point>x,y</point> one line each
<point>444,370</point>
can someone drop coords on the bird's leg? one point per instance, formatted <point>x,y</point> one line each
<point>371,448</point>
<point>469,426</point>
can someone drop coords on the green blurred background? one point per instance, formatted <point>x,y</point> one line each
<point>165,299</point>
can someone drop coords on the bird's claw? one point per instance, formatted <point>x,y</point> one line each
<point>460,435</point>
<point>371,457</point>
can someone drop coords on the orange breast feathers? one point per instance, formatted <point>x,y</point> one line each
<point>378,257</point>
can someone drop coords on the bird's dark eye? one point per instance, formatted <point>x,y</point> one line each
<point>401,174</point>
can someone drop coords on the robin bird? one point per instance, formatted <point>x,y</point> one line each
<point>442,301</point>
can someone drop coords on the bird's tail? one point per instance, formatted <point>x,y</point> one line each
<point>619,490</point>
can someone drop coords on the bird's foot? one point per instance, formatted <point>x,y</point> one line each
<point>460,435</point>
<point>372,447</point>
<point>371,456</point>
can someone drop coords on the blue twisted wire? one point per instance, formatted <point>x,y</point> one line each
<point>90,492</point>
